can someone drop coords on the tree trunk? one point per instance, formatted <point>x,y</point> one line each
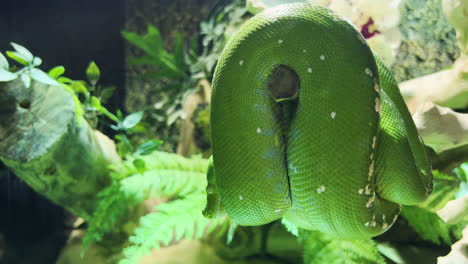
<point>46,143</point>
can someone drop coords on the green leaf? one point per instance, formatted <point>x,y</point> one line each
<point>26,79</point>
<point>181,216</point>
<point>4,62</point>
<point>119,114</point>
<point>320,248</point>
<point>124,146</point>
<point>140,165</point>
<point>147,147</point>
<point>42,77</point>
<point>56,72</point>
<point>179,52</point>
<point>106,93</point>
<point>95,102</point>
<point>16,57</point>
<point>131,120</point>
<point>66,80</point>
<point>36,61</point>
<point>6,76</point>
<point>80,87</point>
<point>430,227</point>
<point>151,43</point>
<point>144,60</point>
<point>93,73</point>
<point>293,229</point>
<point>231,232</point>
<point>23,53</point>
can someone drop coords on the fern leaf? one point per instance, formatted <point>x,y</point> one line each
<point>320,248</point>
<point>429,226</point>
<point>171,222</point>
<point>169,183</point>
<point>167,175</point>
<point>109,211</point>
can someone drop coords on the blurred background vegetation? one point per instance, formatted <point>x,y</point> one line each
<point>140,72</point>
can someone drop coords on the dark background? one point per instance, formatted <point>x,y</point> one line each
<point>70,33</point>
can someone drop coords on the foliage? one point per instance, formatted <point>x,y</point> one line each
<point>171,72</point>
<point>28,69</point>
<point>216,31</point>
<point>430,227</point>
<point>158,175</point>
<point>177,74</point>
<point>424,219</point>
<point>320,248</point>
<point>172,221</point>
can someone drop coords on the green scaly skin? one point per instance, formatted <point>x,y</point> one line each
<point>348,155</point>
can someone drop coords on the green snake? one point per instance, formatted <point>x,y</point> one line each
<point>340,155</point>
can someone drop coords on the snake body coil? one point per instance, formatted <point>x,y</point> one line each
<point>339,156</point>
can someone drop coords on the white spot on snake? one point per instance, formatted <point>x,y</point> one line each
<point>321,189</point>
<point>241,198</point>
<point>370,202</point>
<point>374,139</point>
<point>373,223</point>
<point>322,57</point>
<point>377,105</point>
<point>259,131</point>
<point>360,191</point>
<point>366,224</point>
<point>241,62</point>
<point>368,190</point>
<point>368,72</point>
<point>383,217</point>
<point>277,211</point>
<point>372,155</point>
<point>309,70</point>
<point>373,217</point>
<point>280,41</point>
<point>377,87</point>
<point>333,114</point>
<point>371,170</point>
<point>384,226</point>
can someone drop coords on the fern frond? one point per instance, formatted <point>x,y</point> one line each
<point>320,248</point>
<point>168,183</point>
<point>167,175</point>
<point>292,228</point>
<point>430,227</point>
<point>112,206</point>
<point>172,221</point>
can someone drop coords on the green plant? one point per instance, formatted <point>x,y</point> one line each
<point>159,175</point>
<point>176,74</point>
<point>28,69</point>
<point>89,97</point>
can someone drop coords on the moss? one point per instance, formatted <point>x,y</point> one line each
<point>429,42</point>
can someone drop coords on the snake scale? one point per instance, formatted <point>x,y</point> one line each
<point>340,155</point>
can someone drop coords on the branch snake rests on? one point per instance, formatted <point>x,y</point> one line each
<point>340,154</point>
